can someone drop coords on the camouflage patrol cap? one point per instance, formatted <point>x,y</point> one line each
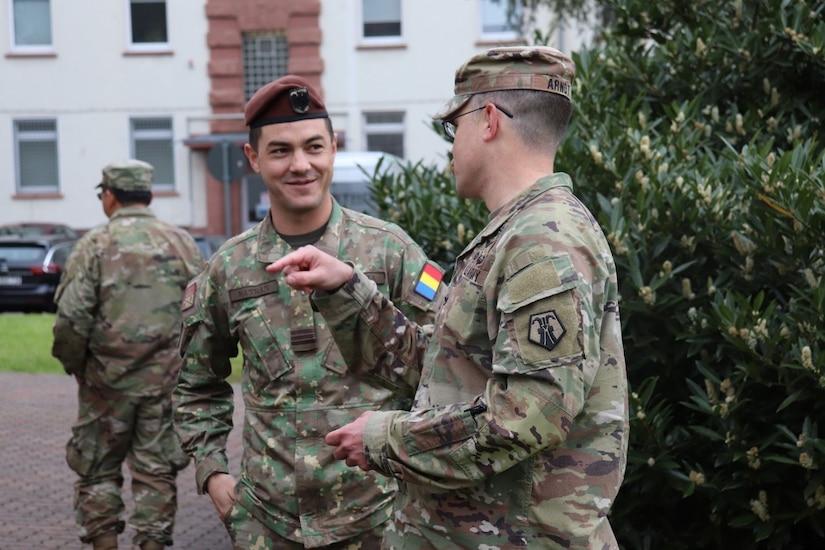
<point>539,68</point>
<point>128,175</point>
<point>288,99</point>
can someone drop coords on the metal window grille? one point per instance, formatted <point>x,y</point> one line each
<point>35,143</point>
<point>384,131</point>
<point>152,142</point>
<point>265,57</point>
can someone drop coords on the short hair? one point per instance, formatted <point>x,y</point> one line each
<point>539,118</point>
<point>131,197</point>
<point>255,134</point>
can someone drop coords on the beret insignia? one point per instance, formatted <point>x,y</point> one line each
<point>299,100</point>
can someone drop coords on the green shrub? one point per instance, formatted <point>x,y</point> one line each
<point>423,201</point>
<point>697,143</point>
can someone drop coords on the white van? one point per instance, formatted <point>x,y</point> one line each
<point>350,183</point>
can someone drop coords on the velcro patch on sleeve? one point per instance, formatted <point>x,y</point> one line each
<point>188,301</point>
<point>428,281</point>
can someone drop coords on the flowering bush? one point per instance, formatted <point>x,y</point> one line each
<point>696,141</point>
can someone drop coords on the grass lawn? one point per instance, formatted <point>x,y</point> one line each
<point>26,341</point>
<point>26,345</point>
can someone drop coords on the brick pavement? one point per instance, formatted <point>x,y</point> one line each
<point>36,486</point>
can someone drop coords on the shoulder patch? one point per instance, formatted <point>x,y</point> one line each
<point>546,329</point>
<point>428,281</point>
<point>188,301</point>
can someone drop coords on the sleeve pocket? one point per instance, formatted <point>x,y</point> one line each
<point>540,308</point>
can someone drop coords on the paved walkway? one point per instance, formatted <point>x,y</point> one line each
<point>36,486</point>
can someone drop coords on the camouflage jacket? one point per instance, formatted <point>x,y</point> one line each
<point>295,384</point>
<point>518,432</point>
<point>118,303</point>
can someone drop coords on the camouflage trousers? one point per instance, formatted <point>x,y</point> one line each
<point>247,533</point>
<point>111,429</point>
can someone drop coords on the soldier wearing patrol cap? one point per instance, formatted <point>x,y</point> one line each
<point>518,433</point>
<point>116,330</point>
<point>291,493</point>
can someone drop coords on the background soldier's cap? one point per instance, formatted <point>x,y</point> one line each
<point>288,99</point>
<point>539,68</point>
<point>128,175</point>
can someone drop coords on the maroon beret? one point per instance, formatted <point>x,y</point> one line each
<point>288,99</point>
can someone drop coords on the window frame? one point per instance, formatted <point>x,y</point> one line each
<point>21,136</point>
<point>384,40</point>
<point>29,48</point>
<point>385,128</point>
<point>146,47</point>
<point>154,135</point>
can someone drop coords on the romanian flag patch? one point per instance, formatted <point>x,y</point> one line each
<point>428,281</point>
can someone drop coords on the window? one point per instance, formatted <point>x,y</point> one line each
<point>152,142</point>
<point>35,144</point>
<point>500,20</point>
<point>32,28</point>
<point>265,56</point>
<point>60,253</point>
<point>385,132</point>
<point>382,18</point>
<point>148,23</point>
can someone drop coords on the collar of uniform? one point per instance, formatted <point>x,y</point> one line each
<point>133,211</point>
<point>510,209</point>
<point>272,247</point>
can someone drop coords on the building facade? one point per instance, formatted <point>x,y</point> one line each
<point>167,82</point>
<point>83,83</point>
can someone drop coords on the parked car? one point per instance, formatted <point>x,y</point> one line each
<point>30,270</point>
<point>31,229</point>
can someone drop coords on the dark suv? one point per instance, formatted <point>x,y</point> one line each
<point>30,270</point>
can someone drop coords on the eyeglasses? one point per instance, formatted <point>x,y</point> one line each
<point>100,195</point>
<point>450,126</point>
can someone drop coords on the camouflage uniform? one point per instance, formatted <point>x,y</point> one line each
<point>518,432</point>
<point>117,327</point>
<point>295,384</point>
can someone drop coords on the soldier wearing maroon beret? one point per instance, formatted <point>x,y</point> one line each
<point>296,387</point>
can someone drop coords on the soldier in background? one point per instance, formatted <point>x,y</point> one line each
<point>291,493</point>
<point>116,330</point>
<point>518,433</point>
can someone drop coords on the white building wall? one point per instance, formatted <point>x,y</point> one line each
<point>93,89</point>
<point>416,75</point>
